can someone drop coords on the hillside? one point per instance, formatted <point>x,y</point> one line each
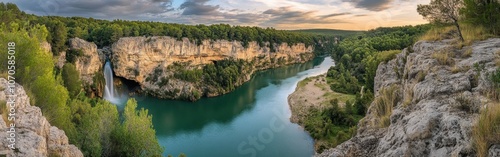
<point>428,101</point>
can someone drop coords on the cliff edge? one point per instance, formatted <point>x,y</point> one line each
<point>34,136</point>
<point>437,92</point>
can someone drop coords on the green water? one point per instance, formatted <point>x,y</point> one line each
<point>251,121</point>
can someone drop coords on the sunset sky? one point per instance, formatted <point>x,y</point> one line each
<point>280,14</point>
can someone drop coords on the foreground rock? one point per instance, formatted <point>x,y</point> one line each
<point>438,105</point>
<point>34,135</point>
<point>140,58</point>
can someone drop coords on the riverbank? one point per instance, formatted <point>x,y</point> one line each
<point>312,96</point>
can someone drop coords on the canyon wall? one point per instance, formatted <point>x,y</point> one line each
<point>136,58</point>
<point>89,62</point>
<point>437,104</point>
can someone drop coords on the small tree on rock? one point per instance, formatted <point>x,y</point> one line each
<point>442,11</point>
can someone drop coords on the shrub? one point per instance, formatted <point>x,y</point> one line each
<point>494,91</point>
<point>486,132</point>
<point>72,54</point>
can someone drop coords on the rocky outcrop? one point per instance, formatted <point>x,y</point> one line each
<point>33,134</point>
<point>89,62</point>
<point>136,58</point>
<point>438,105</point>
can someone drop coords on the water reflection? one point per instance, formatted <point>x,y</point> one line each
<point>173,117</point>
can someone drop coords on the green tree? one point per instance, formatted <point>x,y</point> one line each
<point>136,136</point>
<point>442,11</point>
<point>58,36</point>
<point>71,79</point>
<point>483,12</point>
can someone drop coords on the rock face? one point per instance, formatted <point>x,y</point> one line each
<point>135,58</point>
<point>430,118</point>
<point>34,135</point>
<point>90,62</point>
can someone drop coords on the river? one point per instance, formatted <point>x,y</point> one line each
<point>251,121</point>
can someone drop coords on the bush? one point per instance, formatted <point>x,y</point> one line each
<point>72,54</point>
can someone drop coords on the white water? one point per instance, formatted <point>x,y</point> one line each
<point>110,92</point>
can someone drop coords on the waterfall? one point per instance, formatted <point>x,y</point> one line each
<point>110,92</point>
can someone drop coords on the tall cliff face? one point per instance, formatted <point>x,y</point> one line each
<point>89,62</point>
<point>429,117</point>
<point>136,58</point>
<point>34,134</point>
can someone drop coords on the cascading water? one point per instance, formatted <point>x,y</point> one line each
<point>110,92</point>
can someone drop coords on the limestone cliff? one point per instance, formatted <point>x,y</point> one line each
<point>136,58</point>
<point>90,60</point>
<point>438,102</point>
<point>34,135</point>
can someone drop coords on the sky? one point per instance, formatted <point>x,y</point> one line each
<point>280,14</point>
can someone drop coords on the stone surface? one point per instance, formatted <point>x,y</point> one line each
<point>433,123</point>
<point>34,135</point>
<point>136,58</point>
<point>88,64</point>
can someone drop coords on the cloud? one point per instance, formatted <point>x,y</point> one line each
<point>286,15</point>
<point>107,9</point>
<point>372,5</point>
<point>199,7</point>
<point>334,15</point>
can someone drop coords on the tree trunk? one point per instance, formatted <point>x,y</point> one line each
<point>459,31</point>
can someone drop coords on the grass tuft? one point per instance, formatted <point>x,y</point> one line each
<point>438,33</point>
<point>421,76</point>
<point>384,104</point>
<point>467,53</point>
<point>457,69</point>
<point>486,132</point>
<point>443,58</point>
<point>408,98</point>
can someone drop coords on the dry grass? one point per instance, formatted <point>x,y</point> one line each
<point>457,69</point>
<point>497,60</point>
<point>384,104</point>
<point>467,53</point>
<point>438,33</point>
<point>421,76</point>
<point>487,130</point>
<point>470,33</point>
<point>473,33</point>
<point>443,57</point>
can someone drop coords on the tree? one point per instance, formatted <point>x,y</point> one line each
<point>71,79</point>
<point>442,11</point>
<point>136,136</point>
<point>483,12</point>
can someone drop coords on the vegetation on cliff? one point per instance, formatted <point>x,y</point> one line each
<point>93,125</point>
<point>105,33</point>
<point>357,59</point>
